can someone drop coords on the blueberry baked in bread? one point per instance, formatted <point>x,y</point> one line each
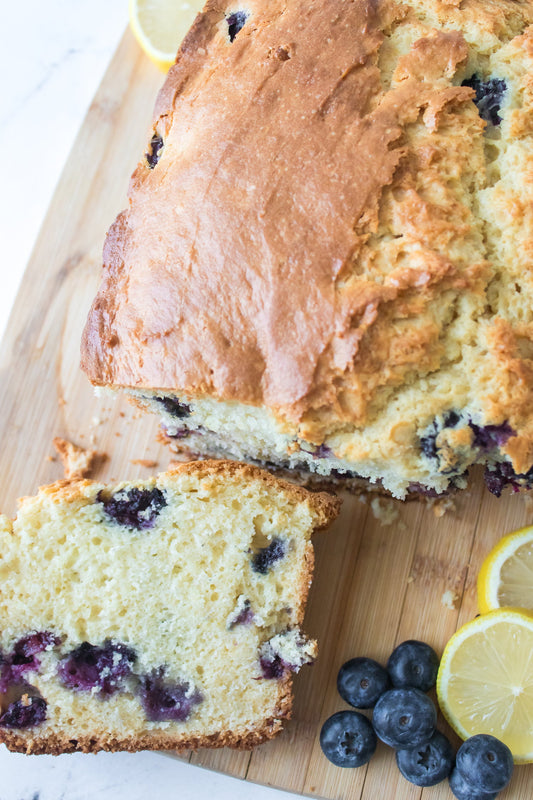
<point>158,614</point>
<point>326,263</point>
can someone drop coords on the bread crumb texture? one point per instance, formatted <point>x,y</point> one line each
<point>155,614</point>
<point>335,228</point>
<point>78,462</point>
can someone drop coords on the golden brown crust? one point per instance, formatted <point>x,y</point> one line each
<point>318,216</point>
<point>326,506</point>
<point>55,744</point>
<point>257,350</point>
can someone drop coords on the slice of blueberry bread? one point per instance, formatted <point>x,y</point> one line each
<point>326,263</point>
<point>158,614</point>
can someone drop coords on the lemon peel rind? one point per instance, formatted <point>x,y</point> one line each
<point>487,589</point>
<point>519,616</point>
<point>162,60</point>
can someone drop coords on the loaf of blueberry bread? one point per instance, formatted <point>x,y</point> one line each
<point>326,264</point>
<point>158,614</point>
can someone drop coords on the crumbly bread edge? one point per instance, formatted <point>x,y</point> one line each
<point>56,745</point>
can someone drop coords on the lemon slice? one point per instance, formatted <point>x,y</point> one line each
<point>506,576</point>
<point>485,680</point>
<point>160,26</point>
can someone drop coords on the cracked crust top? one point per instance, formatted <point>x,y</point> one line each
<point>328,228</point>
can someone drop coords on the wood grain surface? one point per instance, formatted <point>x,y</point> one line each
<point>375,584</point>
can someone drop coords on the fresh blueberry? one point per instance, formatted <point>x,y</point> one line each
<point>413,664</point>
<point>156,145</point>
<point>489,97</point>
<point>134,508</point>
<point>89,667</point>
<point>362,681</point>
<point>236,23</point>
<point>463,790</point>
<point>347,739</point>
<point>267,556</point>
<point>427,764</point>
<point>485,762</point>
<point>167,701</point>
<point>173,407</point>
<point>24,713</point>
<point>404,718</point>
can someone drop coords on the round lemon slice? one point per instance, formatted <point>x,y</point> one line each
<point>506,576</point>
<point>485,680</point>
<point>160,26</point>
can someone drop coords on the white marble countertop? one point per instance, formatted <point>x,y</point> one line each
<point>52,57</point>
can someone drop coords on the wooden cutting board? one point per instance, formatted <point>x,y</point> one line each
<point>375,586</point>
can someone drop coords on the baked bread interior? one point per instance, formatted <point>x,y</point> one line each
<point>155,614</point>
<point>326,263</point>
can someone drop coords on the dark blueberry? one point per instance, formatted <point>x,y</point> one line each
<point>273,667</point>
<point>90,667</point>
<point>245,616</point>
<point>428,443</point>
<point>24,657</point>
<point>404,718</point>
<point>488,437</point>
<point>167,701</point>
<point>424,491</point>
<point>34,643</point>
<point>173,407</point>
<point>24,713</point>
<point>134,508</point>
<point>236,23</point>
<point>156,145</point>
<point>485,762</point>
<point>413,664</point>
<point>462,790</point>
<point>323,451</point>
<point>273,655</point>
<point>264,558</point>
<point>362,681</point>
<point>347,739</point>
<point>429,763</point>
<point>489,97</point>
<point>498,476</point>
<point>451,419</point>
<point>341,474</point>
<point>181,433</point>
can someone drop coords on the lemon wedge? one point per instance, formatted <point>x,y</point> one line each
<point>160,26</point>
<point>485,680</point>
<point>506,575</point>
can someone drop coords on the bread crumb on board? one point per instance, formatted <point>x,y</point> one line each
<point>145,462</point>
<point>384,510</point>
<point>78,462</point>
<point>449,599</point>
<point>441,506</point>
<point>528,502</point>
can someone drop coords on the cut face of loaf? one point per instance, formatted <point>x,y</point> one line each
<point>158,614</point>
<point>327,253</point>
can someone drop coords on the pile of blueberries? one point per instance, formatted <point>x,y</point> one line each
<point>405,718</point>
